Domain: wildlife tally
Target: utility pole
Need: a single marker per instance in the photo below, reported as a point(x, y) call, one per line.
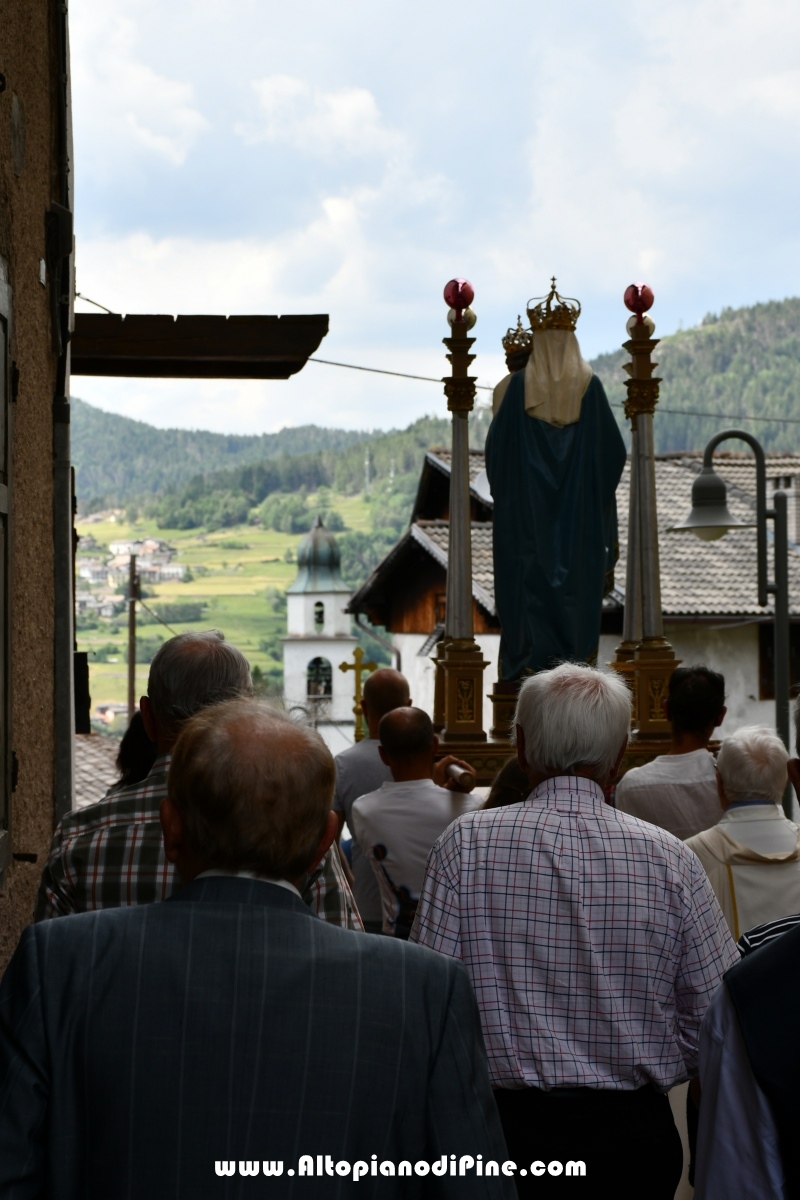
point(133, 596)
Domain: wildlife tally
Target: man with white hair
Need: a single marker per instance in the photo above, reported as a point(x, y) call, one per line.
point(752, 855)
point(594, 943)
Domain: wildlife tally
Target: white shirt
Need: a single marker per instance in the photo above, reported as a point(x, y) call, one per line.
point(359, 770)
point(221, 872)
point(406, 819)
point(738, 1152)
point(677, 792)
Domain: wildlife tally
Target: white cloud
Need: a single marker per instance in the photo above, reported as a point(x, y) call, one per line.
point(361, 164)
point(313, 121)
point(121, 103)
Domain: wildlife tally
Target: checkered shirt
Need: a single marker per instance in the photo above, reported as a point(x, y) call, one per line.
point(111, 854)
point(593, 940)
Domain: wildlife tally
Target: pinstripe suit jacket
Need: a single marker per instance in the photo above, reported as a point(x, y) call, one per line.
point(141, 1046)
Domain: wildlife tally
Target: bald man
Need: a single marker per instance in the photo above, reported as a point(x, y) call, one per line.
point(397, 824)
point(360, 769)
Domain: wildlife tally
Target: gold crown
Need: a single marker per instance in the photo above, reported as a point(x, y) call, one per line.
point(544, 314)
point(518, 339)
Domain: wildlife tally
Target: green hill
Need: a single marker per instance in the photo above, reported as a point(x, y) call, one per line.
point(740, 365)
point(117, 459)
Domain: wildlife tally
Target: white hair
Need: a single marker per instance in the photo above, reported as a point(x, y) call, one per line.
point(752, 764)
point(574, 716)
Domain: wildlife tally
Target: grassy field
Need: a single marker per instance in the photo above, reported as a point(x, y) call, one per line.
point(236, 573)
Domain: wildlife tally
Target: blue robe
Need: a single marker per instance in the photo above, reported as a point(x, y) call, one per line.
point(554, 528)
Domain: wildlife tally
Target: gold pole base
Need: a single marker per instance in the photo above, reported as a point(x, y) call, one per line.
point(463, 666)
point(647, 673)
point(486, 757)
point(504, 703)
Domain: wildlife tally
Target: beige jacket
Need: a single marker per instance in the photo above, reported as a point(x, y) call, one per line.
point(751, 885)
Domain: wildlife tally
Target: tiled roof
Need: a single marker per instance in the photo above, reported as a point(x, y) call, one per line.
point(95, 771)
point(739, 468)
point(433, 536)
point(705, 578)
point(698, 579)
point(441, 458)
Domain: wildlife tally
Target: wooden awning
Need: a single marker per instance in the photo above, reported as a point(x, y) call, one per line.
point(167, 347)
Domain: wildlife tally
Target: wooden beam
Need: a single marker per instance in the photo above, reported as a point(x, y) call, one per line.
point(195, 347)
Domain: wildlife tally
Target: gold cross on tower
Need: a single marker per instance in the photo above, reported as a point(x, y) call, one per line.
point(361, 668)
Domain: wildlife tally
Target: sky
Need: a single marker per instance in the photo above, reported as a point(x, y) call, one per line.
point(256, 157)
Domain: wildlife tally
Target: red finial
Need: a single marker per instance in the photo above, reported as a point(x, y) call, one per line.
point(638, 298)
point(459, 294)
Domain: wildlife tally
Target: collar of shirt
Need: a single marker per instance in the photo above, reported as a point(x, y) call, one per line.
point(568, 791)
point(391, 785)
point(753, 810)
point(216, 872)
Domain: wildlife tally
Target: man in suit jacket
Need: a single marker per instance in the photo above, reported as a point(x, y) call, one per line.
point(154, 1050)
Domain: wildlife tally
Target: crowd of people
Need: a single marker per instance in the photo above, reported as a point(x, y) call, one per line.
point(489, 997)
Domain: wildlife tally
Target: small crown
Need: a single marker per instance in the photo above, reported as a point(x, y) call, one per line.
point(544, 314)
point(518, 339)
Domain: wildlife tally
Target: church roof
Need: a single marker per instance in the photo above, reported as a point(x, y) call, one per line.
point(699, 580)
point(318, 563)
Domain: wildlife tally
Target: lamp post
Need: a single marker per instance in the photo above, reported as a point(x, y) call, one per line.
point(710, 519)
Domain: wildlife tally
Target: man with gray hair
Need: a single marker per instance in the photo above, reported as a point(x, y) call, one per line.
point(593, 940)
point(111, 854)
point(752, 855)
point(152, 1050)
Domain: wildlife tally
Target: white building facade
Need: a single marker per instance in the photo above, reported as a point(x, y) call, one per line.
point(319, 640)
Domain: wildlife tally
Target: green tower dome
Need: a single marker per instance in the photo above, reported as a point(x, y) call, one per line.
point(318, 562)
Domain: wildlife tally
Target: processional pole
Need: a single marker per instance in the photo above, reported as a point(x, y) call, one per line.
point(644, 656)
point(458, 703)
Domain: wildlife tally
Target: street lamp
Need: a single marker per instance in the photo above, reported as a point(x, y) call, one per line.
point(710, 519)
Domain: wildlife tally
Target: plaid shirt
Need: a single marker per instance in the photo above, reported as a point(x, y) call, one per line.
point(111, 854)
point(593, 940)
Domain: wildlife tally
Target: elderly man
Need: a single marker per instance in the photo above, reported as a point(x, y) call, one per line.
point(752, 855)
point(594, 943)
point(678, 790)
point(397, 824)
point(111, 853)
point(150, 1050)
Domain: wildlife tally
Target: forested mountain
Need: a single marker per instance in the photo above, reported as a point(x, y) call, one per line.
point(117, 459)
point(740, 365)
point(385, 464)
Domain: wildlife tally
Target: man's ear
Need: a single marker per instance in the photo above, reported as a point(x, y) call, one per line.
point(148, 720)
point(172, 829)
point(722, 714)
point(328, 838)
point(435, 745)
point(382, 753)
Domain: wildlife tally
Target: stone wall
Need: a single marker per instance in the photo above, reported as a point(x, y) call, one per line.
point(28, 184)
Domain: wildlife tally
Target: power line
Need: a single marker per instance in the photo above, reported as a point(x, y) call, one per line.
point(80, 296)
point(398, 374)
point(157, 617)
point(485, 387)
